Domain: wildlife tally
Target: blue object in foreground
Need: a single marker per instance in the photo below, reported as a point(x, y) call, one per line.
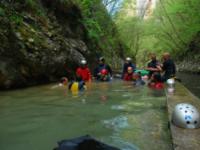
point(83, 143)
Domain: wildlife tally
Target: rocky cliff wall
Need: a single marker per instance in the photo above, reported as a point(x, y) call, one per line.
point(40, 41)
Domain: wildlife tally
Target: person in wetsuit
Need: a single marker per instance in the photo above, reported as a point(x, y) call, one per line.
point(168, 67)
point(128, 63)
point(101, 68)
point(153, 66)
point(129, 75)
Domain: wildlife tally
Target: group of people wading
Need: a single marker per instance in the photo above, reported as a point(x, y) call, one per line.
point(155, 74)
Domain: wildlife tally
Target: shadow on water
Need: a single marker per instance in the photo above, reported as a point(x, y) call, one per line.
point(127, 117)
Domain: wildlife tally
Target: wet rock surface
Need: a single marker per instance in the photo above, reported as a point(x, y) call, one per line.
point(39, 48)
point(41, 42)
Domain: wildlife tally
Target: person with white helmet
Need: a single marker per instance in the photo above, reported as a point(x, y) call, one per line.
point(83, 71)
point(103, 69)
point(129, 75)
point(128, 63)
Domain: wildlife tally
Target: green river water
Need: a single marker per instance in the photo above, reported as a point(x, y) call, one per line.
point(127, 117)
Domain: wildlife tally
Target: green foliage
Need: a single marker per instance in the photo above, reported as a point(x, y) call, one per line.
point(172, 26)
point(17, 19)
point(2, 12)
point(31, 4)
point(90, 19)
point(101, 29)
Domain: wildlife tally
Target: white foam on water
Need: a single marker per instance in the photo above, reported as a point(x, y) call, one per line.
point(118, 107)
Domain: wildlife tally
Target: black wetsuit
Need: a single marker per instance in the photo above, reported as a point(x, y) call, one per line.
point(99, 68)
point(169, 68)
point(152, 64)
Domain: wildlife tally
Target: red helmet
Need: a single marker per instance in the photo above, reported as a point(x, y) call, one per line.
point(104, 72)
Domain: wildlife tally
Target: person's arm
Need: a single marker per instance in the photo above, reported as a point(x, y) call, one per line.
point(155, 68)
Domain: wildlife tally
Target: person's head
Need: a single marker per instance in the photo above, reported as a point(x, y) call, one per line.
point(83, 63)
point(64, 80)
point(166, 56)
point(130, 70)
point(101, 60)
point(128, 60)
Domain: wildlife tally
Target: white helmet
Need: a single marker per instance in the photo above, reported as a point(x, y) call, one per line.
point(171, 81)
point(128, 59)
point(186, 116)
point(83, 62)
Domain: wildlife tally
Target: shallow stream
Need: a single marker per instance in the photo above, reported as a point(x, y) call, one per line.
point(127, 117)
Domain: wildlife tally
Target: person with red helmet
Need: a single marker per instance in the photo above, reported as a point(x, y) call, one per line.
point(83, 71)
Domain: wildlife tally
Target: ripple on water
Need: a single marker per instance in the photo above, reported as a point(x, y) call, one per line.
point(118, 107)
point(116, 123)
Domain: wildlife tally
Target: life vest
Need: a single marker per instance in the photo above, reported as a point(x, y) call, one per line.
point(74, 87)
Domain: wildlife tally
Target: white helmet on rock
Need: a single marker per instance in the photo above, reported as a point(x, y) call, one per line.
point(186, 115)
